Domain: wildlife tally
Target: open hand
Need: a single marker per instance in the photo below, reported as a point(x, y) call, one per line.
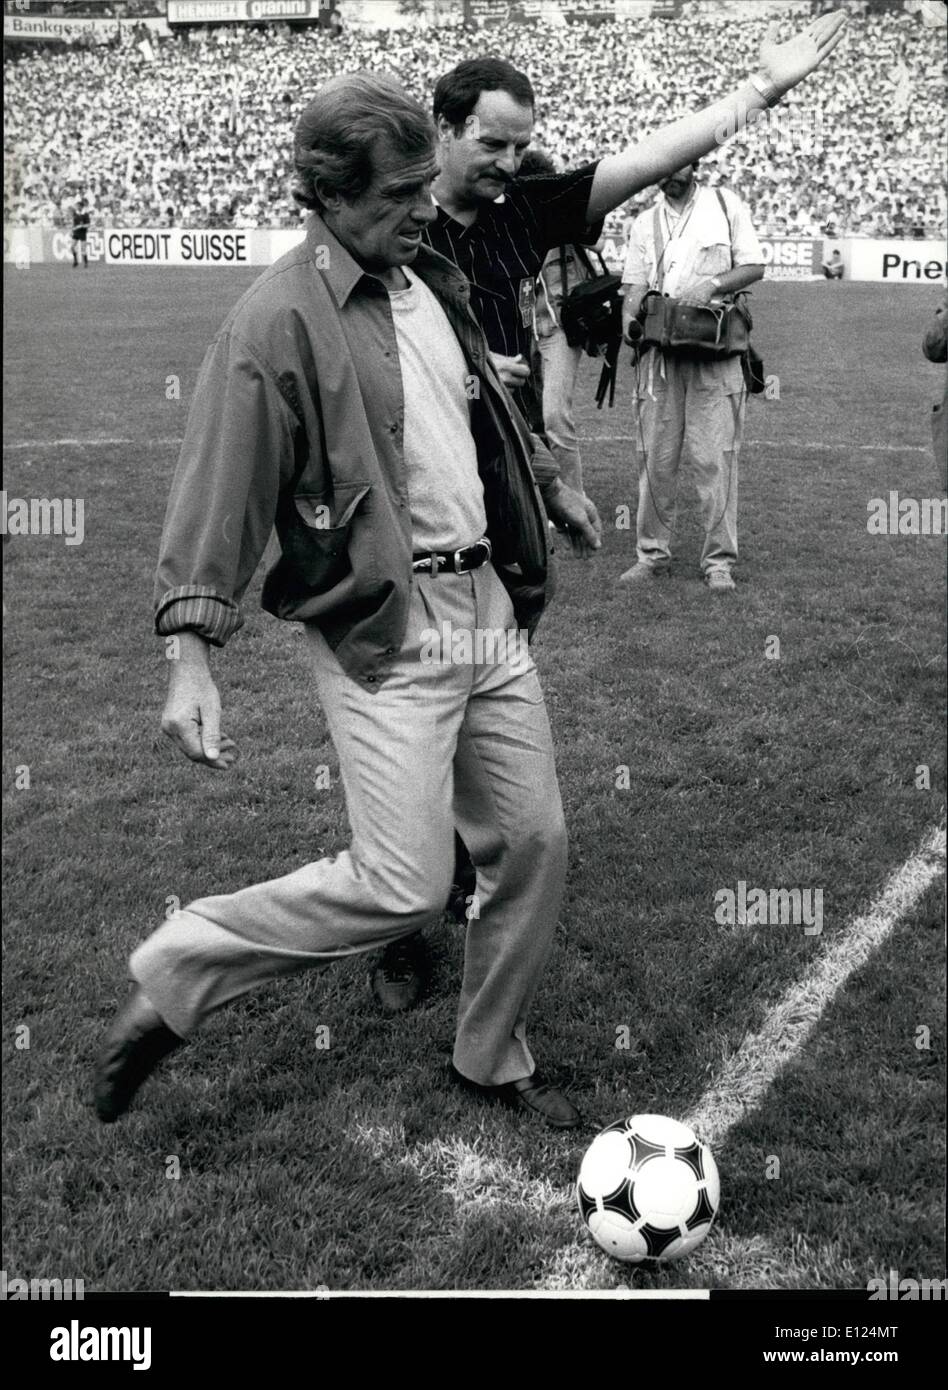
point(786, 64)
point(577, 515)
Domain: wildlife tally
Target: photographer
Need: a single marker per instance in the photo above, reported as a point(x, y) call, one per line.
point(697, 245)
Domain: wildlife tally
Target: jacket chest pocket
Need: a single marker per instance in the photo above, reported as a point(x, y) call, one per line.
point(317, 533)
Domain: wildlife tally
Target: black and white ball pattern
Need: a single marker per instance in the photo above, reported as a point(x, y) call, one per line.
point(648, 1189)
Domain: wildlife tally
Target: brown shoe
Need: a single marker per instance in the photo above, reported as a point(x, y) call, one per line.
point(530, 1093)
point(135, 1044)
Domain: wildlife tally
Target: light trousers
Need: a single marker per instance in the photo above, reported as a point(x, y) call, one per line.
point(446, 741)
point(693, 410)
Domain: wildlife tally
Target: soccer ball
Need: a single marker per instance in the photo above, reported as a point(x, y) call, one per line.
point(648, 1189)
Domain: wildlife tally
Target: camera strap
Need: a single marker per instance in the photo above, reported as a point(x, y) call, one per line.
point(662, 244)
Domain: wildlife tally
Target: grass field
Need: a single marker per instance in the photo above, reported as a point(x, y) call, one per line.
point(357, 1166)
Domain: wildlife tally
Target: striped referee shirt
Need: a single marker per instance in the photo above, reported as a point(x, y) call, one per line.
point(501, 252)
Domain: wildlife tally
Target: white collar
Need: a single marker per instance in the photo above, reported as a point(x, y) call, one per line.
point(501, 198)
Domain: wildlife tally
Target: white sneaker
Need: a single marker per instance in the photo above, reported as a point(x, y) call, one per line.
point(719, 581)
point(642, 572)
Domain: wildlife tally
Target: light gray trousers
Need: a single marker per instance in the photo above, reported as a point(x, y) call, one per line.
point(445, 742)
point(694, 410)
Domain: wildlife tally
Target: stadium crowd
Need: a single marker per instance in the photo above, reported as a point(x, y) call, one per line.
point(197, 133)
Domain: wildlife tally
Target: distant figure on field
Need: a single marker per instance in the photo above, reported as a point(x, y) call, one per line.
point(81, 219)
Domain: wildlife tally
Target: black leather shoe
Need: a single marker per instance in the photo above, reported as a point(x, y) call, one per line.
point(135, 1044)
point(459, 901)
point(464, 885)
point(398, 981)
point(530, 1093)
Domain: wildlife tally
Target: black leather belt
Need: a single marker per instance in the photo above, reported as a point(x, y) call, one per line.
point(469, 557)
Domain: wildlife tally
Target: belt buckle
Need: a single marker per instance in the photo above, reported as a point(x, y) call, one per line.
point(483, 545)
point(457, 559)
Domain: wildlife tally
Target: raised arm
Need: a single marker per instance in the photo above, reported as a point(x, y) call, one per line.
point(782, 66)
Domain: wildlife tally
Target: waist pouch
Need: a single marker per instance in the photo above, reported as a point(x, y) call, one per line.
point(691, 330)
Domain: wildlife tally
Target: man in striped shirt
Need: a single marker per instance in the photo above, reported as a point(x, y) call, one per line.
point(498, 230)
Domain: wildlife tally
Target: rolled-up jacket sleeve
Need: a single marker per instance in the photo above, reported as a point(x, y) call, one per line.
point(238, 452)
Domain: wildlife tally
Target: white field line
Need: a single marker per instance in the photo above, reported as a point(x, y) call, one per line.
point(823, 446)
point(93, 443)
point(827, 447)
point(748, 1075)
point(463, 1171)
point(473, 1178)
point(694, 1295)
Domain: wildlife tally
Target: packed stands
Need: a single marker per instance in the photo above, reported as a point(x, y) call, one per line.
point(157, 132)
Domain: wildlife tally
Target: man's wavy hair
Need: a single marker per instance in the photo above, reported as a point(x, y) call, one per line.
point(338, 131)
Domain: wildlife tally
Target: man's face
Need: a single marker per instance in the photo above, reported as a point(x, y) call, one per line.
point(382, 227)
point(678, 184)
point(478, 164)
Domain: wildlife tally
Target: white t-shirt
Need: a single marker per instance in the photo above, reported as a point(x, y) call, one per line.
point(697, 241)
point(444, 487)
